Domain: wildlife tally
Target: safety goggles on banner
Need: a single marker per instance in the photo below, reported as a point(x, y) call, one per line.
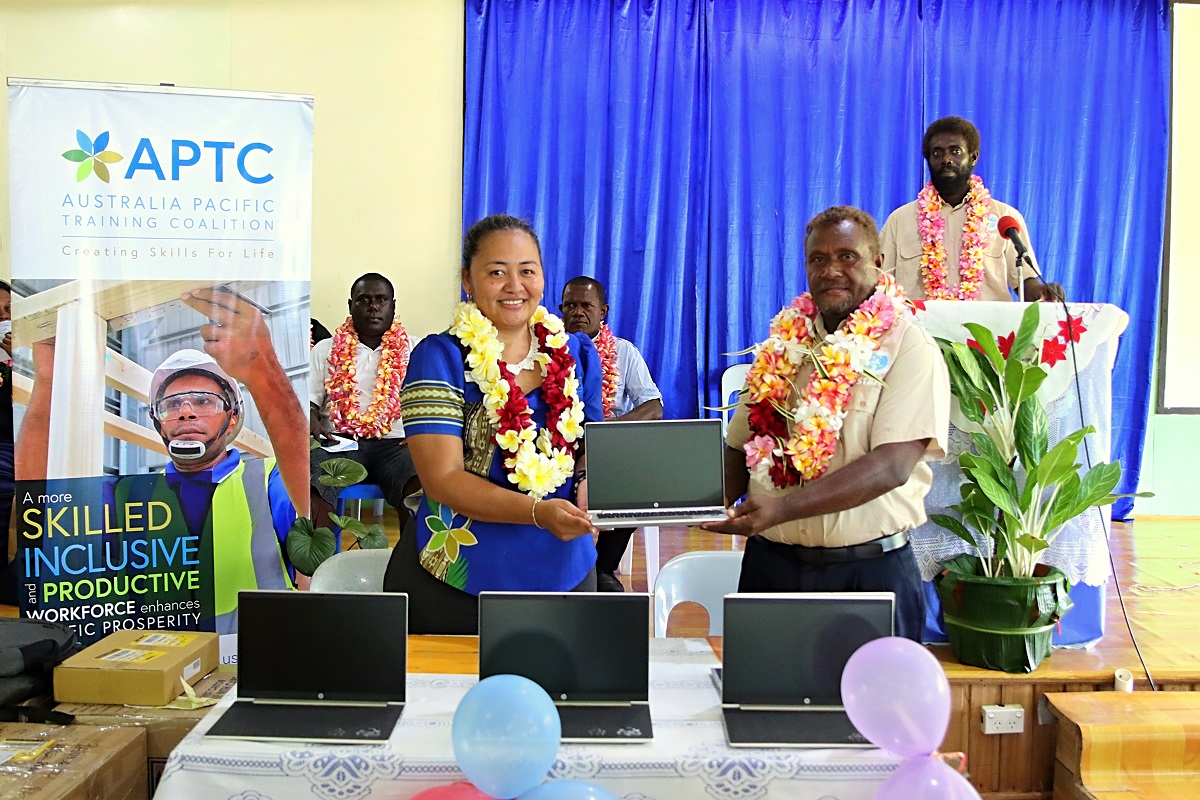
point(201, 404)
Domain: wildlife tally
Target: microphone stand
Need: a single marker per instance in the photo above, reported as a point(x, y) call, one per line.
point(1020, 278)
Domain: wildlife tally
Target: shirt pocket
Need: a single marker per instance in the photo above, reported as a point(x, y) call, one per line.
point(860, 418)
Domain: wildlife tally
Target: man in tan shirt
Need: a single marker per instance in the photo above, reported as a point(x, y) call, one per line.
point(951, 149)
point(848, 529)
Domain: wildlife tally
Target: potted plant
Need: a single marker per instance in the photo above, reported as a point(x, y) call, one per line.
point(1000, 604)
point(308, 546)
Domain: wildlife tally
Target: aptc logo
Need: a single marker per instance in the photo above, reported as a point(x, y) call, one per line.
point(93, 156)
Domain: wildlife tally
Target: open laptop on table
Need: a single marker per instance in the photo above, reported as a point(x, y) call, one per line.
point(589, 651)
point(783, 661)
point(318, 667)
point(655, 472)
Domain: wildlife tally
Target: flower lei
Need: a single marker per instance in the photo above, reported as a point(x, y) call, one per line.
point(787, 447)
point(932, 227)
point(540, 461)
point(606, 346)
point(340, 384)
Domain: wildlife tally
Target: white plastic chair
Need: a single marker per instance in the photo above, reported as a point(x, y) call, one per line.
point(702, 576)
point(732, 381)
point(352, 571)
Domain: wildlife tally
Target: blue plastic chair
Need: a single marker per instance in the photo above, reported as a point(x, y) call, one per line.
point(360, 492)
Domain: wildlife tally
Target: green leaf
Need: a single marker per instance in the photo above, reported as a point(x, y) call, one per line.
point(456, 575)
point(342, 472)
point(985, 368)
point(1026, 333)
point(1032, 543)
point(954, 526)
point(1060, 460)
point(987, 448)
point(1035, 376)
point(996, 492)
point(349, 524)
point(962, 388)
point(84, 170)
point(313, 444)
point(437, 542)
point(1096, 486)
point(374, 539)
point(987, 342)
point(971, 368)
point(436, 525)
point(1032, 431)
point(308, 548)
point(75, 155)
point(1064, 501)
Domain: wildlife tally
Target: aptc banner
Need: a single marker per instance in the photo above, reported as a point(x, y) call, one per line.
point(160, 261)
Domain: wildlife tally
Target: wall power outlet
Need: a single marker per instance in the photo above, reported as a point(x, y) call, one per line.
point(1003, 718)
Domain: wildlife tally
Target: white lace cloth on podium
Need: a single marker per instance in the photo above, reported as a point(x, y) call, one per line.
point(688, 759)
point(1081, 549)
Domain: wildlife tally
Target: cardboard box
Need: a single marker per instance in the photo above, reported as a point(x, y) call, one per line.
point(165, 727)
point(81, 763)
point(138, 668)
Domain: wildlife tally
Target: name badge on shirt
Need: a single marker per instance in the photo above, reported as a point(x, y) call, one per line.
point(993, 224)
point(880, 361)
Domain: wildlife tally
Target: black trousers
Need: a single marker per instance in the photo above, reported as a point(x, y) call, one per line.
point(435, 606)
point(610, 546)
point(773, 567)
point(388, 464)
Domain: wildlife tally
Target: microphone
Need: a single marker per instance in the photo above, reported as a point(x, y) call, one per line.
point(1011, 230)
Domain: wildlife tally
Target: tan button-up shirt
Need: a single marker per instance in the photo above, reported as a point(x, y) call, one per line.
point(900, 242)
point(914, 404)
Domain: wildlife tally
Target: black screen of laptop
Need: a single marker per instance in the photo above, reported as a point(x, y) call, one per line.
point(641, 465)
point(576, 646)
point(340, 647)
point(789, 650)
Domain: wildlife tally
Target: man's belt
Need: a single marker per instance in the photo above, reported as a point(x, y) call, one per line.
point(838, 555)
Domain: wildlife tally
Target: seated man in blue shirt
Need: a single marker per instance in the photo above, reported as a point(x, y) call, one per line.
point(629, 394)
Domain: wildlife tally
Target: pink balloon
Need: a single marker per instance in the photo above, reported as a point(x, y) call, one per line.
point(926, 778)
point(897, 695)
point(454, 791)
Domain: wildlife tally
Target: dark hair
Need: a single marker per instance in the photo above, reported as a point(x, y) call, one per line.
point(958, 125)
point(5, 286)
point(583, 281)
point(489, 225)
point(318, 331)
point(372, 276)
point(835, 214)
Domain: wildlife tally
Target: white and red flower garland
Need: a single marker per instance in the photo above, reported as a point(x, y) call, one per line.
point(932, 227)
point(606, 346)
point(787, 447)
point(342, 386)
point(542, 460)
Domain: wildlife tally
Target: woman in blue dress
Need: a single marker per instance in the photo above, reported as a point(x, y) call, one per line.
point(493, 410)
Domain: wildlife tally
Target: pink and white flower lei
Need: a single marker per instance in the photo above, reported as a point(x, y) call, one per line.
point(342, 387)
point(606, 346)
point(932, 227)
point(788, 447)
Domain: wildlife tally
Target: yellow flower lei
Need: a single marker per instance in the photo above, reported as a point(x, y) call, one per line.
point(539, 461)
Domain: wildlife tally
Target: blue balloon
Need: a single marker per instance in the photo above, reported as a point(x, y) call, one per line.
point(505, 734)
point(568, 790)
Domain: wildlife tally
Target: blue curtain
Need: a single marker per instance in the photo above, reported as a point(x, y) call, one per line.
point(675, 151)
point(589, 119)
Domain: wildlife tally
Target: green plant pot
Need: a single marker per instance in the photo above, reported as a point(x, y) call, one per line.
point(1002, 623)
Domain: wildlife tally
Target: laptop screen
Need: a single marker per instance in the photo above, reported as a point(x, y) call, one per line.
point(790, 649)
point(577, 646)
point(659, 464)
point(332, 647)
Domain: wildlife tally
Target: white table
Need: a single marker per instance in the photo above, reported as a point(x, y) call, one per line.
point(687, 760)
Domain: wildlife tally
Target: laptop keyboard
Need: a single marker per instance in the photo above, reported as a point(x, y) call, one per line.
point(613, 723)
point(783, 728)
point(662, 514)
point(303, 723)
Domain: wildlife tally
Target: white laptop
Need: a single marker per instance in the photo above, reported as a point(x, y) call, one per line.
point(318, 667)
point(590, 651)
point(783, 656)
point(668, 472)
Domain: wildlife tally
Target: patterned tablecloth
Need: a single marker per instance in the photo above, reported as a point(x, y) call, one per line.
point(687, 759)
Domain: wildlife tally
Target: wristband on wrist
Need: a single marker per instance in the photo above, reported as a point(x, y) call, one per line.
point(533, 511)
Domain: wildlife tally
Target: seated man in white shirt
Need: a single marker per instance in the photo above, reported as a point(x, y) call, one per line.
point(629, 394)
point(354, 392)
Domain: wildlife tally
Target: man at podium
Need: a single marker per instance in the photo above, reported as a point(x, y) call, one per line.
point(947, 244)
